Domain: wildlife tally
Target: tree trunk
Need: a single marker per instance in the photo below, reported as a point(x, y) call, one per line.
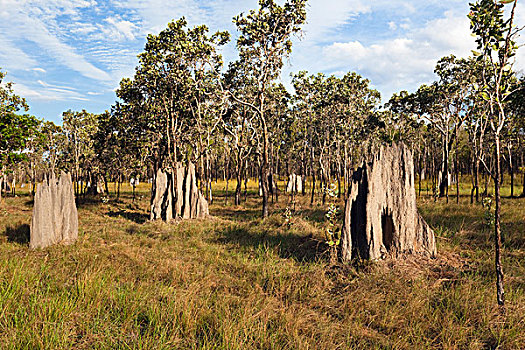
point(246, 175)
point(456, 166)
point(238, 189)
point(443, 181)
point(264, 172)
point(523, 184)
point(312, 169)
point(106, 184)
point(497, 227)
point(420, 172)
point(511, 171)
point(227, 177)
point(118, 186)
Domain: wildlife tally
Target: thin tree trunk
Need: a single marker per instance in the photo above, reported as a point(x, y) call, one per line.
point(227, 176)
point(511, 171)
point(497, 227)
point(264, 171)
point(313, 175)
point(118, 186)
point(523, 184)
point(246, 175)
point(456, 166)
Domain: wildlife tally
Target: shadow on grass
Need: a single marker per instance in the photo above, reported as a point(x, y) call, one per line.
point(236, 214)
point(19, 234)
point(87, 201)
point(288, 246)
point(138, 218)
point(313, 215)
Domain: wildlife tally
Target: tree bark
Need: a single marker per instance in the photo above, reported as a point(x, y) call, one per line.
point(264, 172)
point(497, 227)
point(312, 169)
point(511, 171)
point(443, 182)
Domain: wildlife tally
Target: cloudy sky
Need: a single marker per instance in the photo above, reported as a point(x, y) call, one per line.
point(71, 54)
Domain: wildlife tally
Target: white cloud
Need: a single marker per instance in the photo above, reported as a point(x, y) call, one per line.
point(406, 24)
point(99, 40)
point(43, 91)
point(31, 20)
point(403, 62)
point(118, 29)
point(324, 17)
point(84, 28)
point(13, 58)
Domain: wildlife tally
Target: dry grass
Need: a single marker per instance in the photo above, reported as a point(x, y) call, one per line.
point(236, 282)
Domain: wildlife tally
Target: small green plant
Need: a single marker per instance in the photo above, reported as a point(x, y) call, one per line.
point(333, 229)
point(288, 215)
point(435, 192)
point(489, 216)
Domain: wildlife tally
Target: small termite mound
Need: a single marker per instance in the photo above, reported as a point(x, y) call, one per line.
point(175, 195)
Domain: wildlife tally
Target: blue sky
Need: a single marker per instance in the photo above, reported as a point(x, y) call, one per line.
point(71, 54)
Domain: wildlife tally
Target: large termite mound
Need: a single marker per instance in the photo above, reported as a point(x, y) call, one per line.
point(55, 217)
point(381, 217)
point(175, 195)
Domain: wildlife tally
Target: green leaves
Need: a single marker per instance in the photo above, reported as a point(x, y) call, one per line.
point(265, 35)
point(496, 45)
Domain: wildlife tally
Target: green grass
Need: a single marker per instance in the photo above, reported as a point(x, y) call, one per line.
point(236, 282)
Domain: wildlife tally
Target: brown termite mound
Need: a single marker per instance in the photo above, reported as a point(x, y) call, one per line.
point(55, 217)
point(381, 218)
point(175, 195)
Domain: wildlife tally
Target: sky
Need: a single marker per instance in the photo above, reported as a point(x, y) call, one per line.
point(71, 54)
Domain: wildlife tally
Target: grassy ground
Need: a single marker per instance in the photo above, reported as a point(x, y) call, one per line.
point(236, 282)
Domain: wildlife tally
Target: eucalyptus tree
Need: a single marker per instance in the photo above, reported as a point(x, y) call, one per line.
point(458, 78)
point(264, 42)
point(78, 127)
point(120, 150)
point(338, 117)
point(43, 148)
point(476, 126)
point(515, 131)
point(355, 106)
point(495, 38)
point(9, 101)
point(15, 129)
point(53, 143)
point(404, 124)
point(443, 104)
point(308, 95)
point(170, 93)
point(239, 123)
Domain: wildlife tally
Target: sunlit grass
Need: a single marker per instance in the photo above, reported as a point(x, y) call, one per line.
point(237, 282)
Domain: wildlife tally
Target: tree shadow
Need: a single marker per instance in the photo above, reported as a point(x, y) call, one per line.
point(236, 214)
point(316, 215)
point(138, 218)
point(19, 234)
point(288, 246)
point(87, 201)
